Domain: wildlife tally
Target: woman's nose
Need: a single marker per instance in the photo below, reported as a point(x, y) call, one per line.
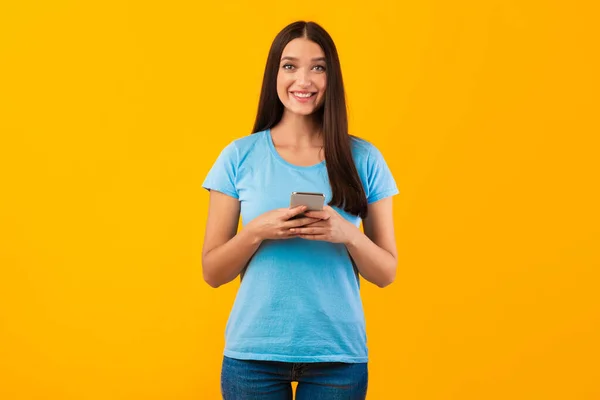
point(303, 78)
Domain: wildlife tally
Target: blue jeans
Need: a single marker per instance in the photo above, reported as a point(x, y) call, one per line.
point(271, 380)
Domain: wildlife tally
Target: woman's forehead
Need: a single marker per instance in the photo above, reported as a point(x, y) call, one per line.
point(302, 48)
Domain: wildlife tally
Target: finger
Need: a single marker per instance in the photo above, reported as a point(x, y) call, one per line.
point(317, 214)
point(318, 222)
point(330, 211)
point(308, 231)
point(285, 234)
point(299, 222)
point(292, 212)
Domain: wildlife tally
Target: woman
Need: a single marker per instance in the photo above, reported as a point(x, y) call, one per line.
point(298, 314)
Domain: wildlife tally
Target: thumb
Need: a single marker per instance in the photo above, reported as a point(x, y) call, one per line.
point(292, 212)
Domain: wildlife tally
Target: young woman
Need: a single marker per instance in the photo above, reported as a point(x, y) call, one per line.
point(298, 314)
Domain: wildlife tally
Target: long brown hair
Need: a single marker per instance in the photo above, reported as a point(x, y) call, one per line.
point(346, 188)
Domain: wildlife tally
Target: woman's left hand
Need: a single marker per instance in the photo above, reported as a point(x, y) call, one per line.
point(331, 227)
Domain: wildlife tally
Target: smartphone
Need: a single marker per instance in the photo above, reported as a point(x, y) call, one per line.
point(314, 201)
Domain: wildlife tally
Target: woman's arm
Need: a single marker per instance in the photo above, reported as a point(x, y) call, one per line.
point(374, 252)
point(225, 253)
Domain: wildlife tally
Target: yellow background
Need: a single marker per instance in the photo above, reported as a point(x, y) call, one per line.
point(112, 112)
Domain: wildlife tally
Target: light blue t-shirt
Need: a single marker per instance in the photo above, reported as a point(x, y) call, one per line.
point(299, 300)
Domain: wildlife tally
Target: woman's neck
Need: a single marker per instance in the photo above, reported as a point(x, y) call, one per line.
point(298, 131)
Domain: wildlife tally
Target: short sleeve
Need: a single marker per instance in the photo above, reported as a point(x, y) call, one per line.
point(380, 181)
point(222, 175)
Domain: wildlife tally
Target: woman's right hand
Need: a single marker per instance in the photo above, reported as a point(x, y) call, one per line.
point(276, 224)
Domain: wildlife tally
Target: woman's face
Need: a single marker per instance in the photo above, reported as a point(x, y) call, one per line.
point(302, 78)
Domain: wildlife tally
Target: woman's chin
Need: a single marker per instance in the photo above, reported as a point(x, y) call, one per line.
point(302, 111)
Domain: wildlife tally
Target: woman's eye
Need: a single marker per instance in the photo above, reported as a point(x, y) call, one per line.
point(320, 68)
point(287, 66)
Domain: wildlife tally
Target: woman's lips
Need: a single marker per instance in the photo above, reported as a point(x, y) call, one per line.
point(302, 96)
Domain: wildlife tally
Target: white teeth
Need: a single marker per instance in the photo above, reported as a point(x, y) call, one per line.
point(303, 94)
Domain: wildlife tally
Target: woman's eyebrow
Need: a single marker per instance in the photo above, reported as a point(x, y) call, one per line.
point(296, 59)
